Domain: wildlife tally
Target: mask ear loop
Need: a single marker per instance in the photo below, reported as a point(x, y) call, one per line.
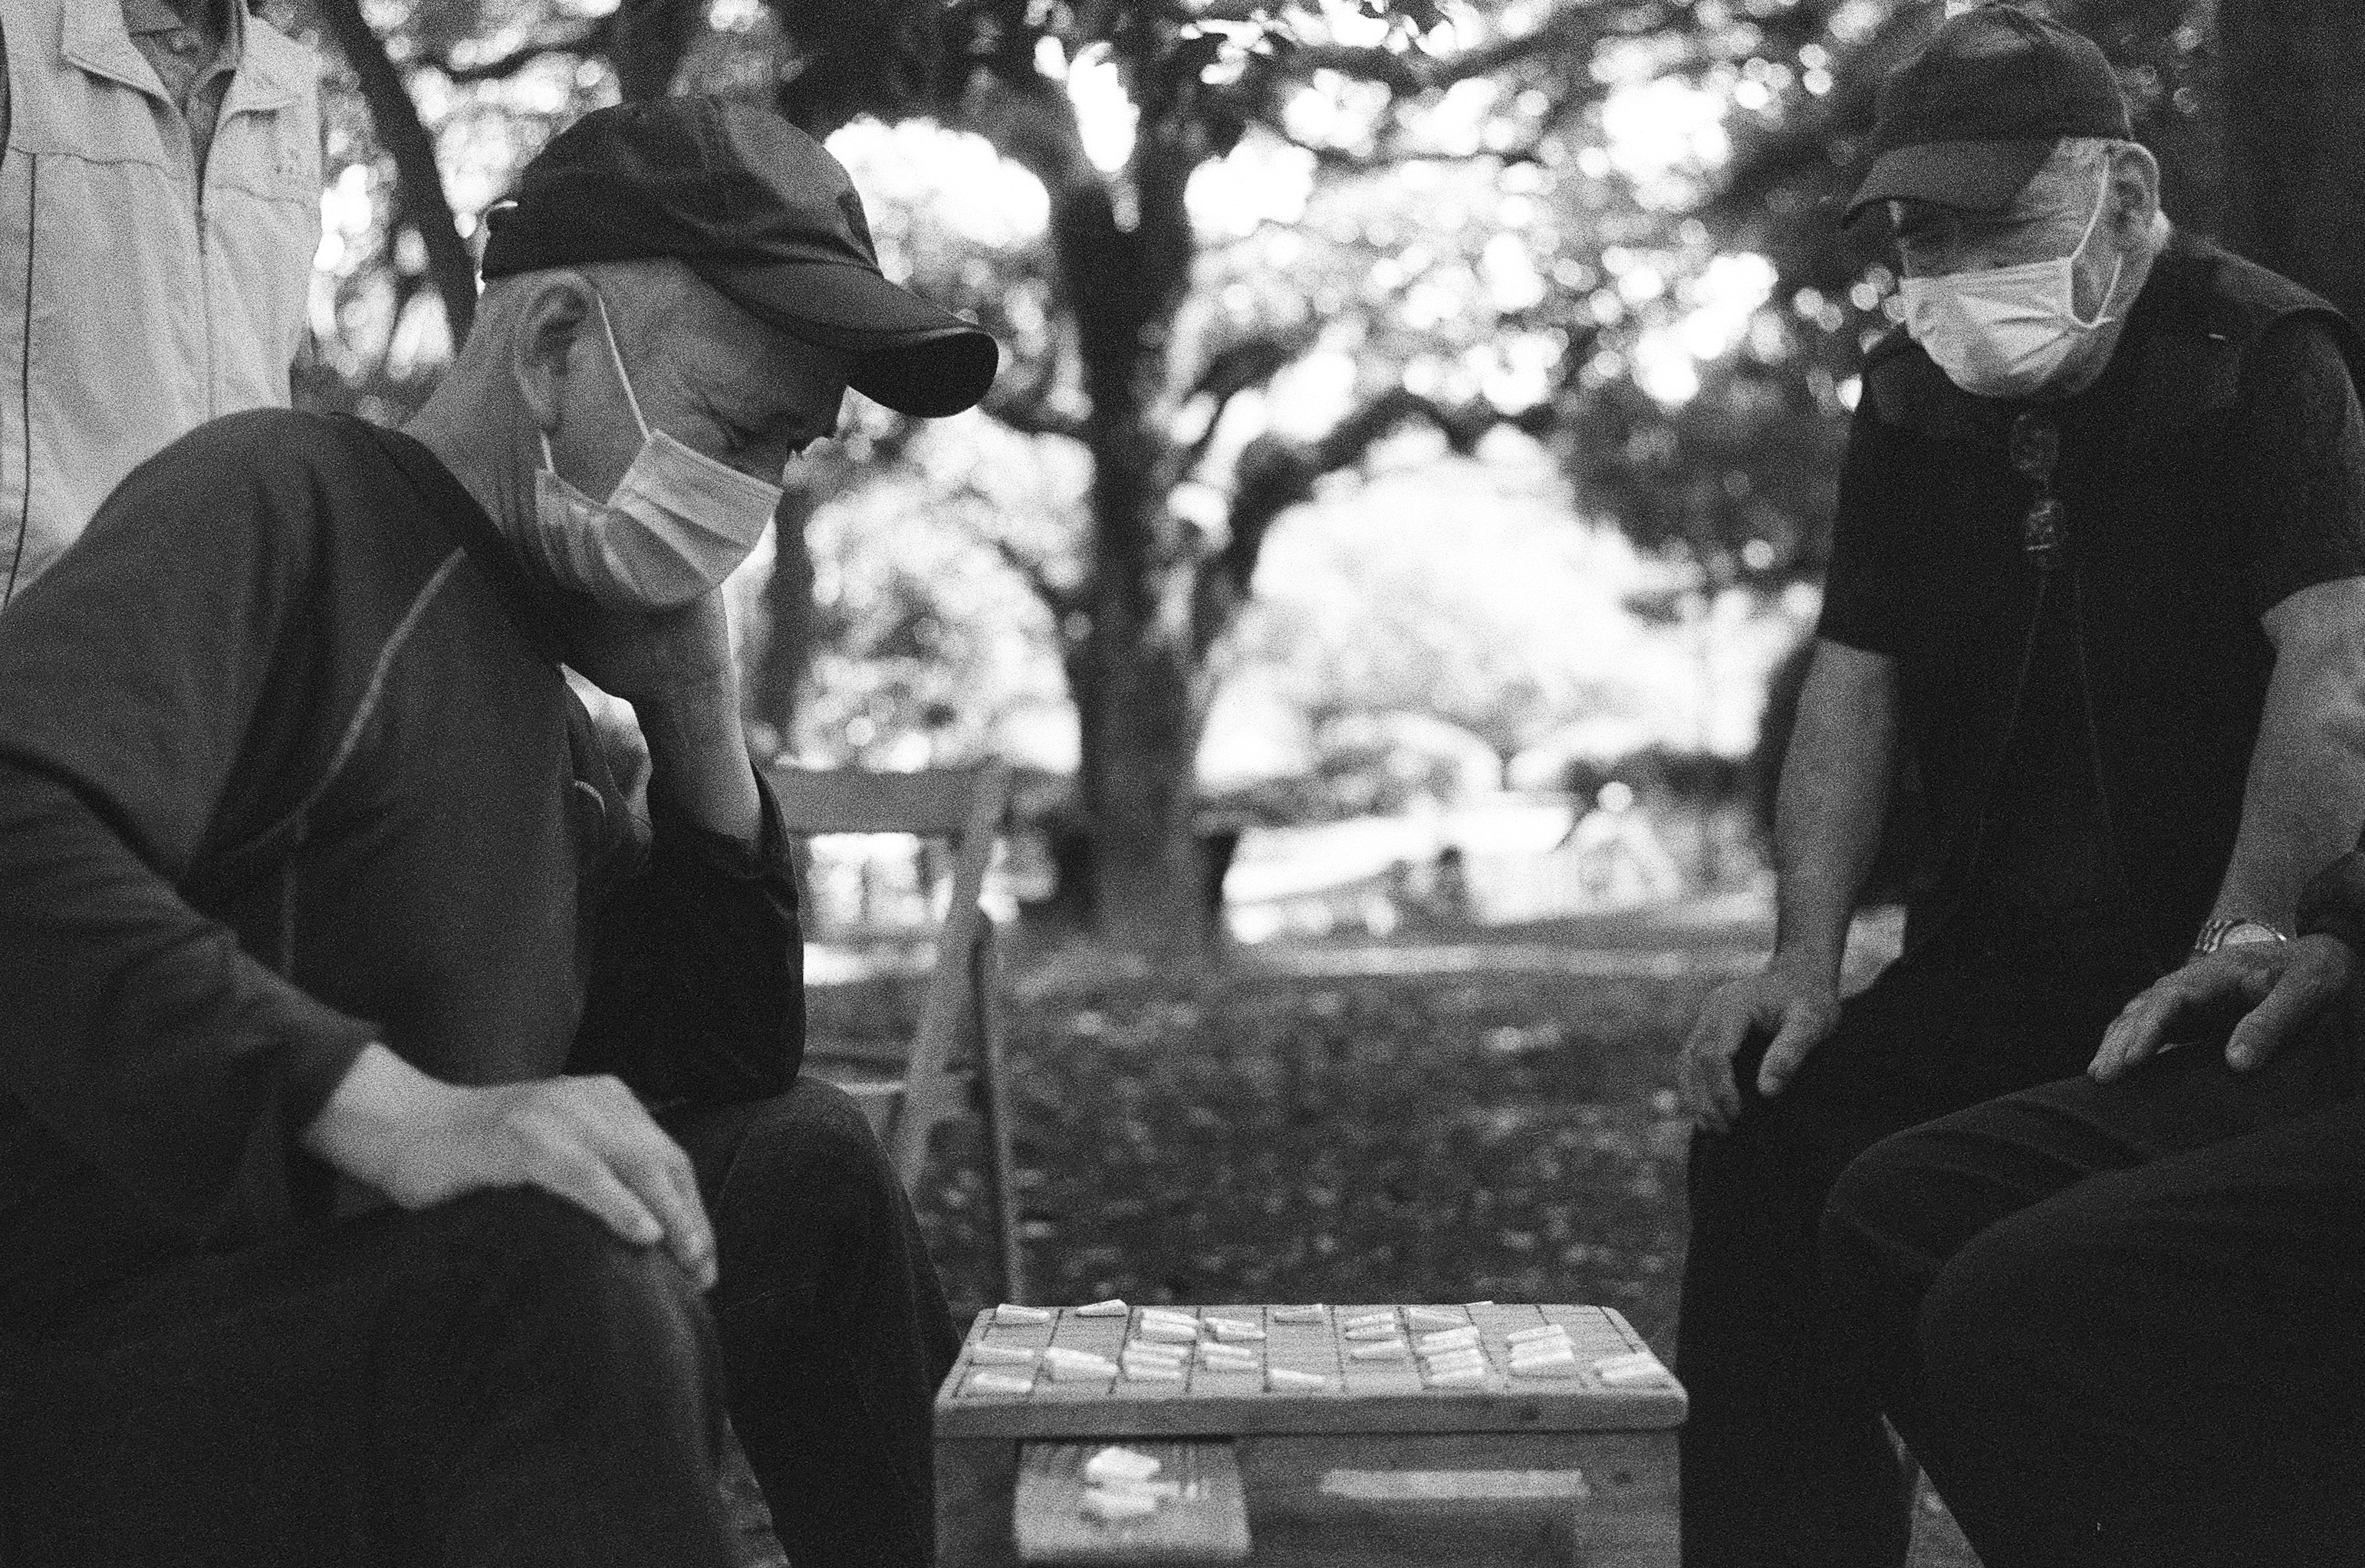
point(615, 358)
point(2118, 267)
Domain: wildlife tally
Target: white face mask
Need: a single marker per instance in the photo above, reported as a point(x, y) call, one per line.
point(678, 523)
point(2008, 331)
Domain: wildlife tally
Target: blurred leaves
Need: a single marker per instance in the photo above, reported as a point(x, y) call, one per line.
point(1359, 1140)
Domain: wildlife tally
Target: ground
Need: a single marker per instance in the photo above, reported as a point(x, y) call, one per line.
point(1300, 1128)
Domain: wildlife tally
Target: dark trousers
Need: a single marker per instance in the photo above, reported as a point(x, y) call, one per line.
point(1786, 1461)
point(500, 1381)
point(2125, 1325)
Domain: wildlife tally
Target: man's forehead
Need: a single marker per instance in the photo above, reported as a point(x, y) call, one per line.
point(755, 354)
point(747, 372)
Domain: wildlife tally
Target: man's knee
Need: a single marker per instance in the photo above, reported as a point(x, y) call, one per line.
point(1872, 1220)
point(2011, 1296)
point(815, 1137)
point(539, 1257)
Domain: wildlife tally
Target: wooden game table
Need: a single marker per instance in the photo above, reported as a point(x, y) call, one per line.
point(1379, 1465)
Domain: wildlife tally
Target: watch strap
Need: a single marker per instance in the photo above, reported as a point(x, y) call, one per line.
point(2235, 931)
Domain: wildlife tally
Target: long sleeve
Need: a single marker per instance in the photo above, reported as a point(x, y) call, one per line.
point(149, 686)
point(696, 993)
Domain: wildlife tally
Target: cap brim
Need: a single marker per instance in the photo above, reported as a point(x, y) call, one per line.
point(912, 356)
point(1970, 177)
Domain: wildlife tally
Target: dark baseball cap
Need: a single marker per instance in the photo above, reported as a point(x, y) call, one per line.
point(762, 212)
point(1970, 117)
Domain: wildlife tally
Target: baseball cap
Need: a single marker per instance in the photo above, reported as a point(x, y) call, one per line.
point(1972, 115)
point(762, 212)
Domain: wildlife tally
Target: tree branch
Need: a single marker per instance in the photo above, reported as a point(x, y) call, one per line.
point(591, 40)
point(1030, 122)
point(1252, 363)
point(1059, 602)
point(1274, 474)
point(1575, 25)
point(1029, 413)
point(404, 138)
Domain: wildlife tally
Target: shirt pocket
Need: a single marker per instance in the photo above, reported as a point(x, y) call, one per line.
point(93, 119)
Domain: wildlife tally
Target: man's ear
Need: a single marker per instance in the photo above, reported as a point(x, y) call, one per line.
point(551, 321)
point(2135, 192)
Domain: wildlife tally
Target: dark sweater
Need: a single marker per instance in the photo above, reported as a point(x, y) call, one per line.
point(288, 765)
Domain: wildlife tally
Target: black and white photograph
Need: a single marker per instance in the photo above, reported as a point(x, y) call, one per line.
point(1305, 783)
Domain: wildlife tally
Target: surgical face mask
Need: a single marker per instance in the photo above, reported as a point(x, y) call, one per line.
point(677, 524)
point(2008, 331)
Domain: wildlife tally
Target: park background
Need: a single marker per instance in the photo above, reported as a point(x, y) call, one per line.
point(1384, 556)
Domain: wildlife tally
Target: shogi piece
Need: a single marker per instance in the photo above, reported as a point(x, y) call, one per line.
point(1337, 1460)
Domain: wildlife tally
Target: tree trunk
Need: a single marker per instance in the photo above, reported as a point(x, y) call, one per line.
point(2295, 111)
point(787, 654)
point(1138, 675)
point(424, 203)
point(1141, 718)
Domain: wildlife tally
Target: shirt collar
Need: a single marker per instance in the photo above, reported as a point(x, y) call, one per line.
point(143, 16)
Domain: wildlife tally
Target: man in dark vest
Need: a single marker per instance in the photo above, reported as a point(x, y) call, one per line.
point(2098, 577)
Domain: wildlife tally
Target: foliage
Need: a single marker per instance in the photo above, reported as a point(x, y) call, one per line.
point(1365, 1140)
point(1283, 230)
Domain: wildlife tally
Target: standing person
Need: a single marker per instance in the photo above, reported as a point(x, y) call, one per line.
point(2096, 573)
point(328, 938)
point(160, 206)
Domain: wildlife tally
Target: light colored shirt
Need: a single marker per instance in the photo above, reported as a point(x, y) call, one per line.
point(158, 213)
point(193, 56)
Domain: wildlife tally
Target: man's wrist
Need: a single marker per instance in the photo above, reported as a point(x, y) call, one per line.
point(375, 1117)
point(698, 755)
point(2334, 902)
point(1809, 960)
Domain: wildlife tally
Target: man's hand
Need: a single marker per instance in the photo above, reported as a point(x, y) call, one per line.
point(1798, 1003)
point(655, 657)
point(674, 668)
point(588, 1140)
point(2282, 985)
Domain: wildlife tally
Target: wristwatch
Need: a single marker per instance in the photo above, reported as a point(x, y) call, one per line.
point(2234, 931)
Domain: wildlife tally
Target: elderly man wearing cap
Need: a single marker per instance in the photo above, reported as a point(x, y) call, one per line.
point(2098, 577)
point(330, 944)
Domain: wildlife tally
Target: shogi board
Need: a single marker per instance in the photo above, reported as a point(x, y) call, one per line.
point(1360, 1396)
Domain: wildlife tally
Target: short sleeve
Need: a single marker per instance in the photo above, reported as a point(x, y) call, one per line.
point(2299, 438)
point(1865, 587)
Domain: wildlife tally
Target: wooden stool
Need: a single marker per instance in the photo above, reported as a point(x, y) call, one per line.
point(1378, 1468)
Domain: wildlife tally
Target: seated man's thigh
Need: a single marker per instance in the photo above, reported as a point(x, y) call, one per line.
point(2177, 1345)
point(779, 1174)
point(235, 1409)
point(1928, 1191)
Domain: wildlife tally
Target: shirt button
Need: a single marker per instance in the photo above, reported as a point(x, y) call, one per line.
point(183, 44)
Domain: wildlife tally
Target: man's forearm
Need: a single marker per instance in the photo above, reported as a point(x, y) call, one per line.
point(1834, 800)
point(2306, 798)
point(698, 757)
